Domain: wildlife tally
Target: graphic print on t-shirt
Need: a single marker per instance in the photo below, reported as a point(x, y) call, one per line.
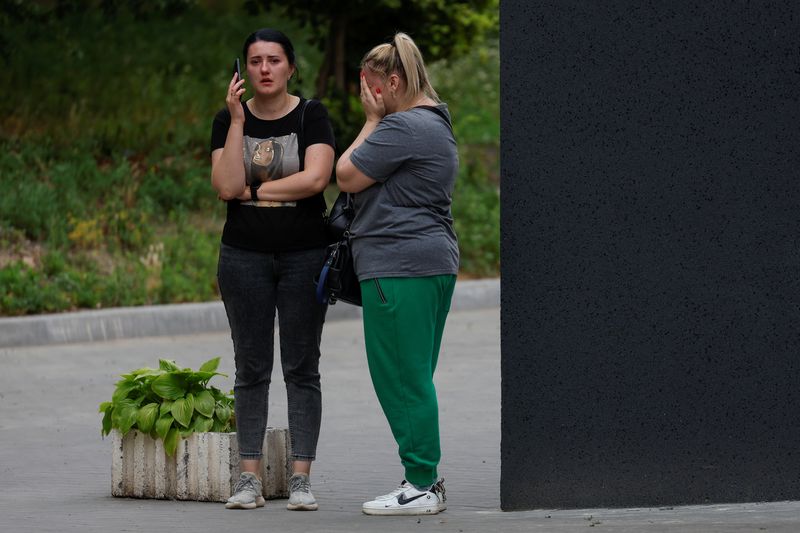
point(269, 160)
point(266, 160)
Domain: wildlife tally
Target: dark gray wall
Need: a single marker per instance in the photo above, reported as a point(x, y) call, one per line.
point(650, 234)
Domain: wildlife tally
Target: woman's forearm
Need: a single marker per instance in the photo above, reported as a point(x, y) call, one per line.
point(227, 169)
point(310, 181)
point(295, 187)
point(347, 175)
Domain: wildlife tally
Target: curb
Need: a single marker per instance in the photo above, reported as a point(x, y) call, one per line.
point(183, 319)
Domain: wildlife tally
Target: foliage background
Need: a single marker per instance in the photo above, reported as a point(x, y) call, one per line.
point(104, 132)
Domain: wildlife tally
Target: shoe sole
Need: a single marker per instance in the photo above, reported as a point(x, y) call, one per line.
point(403, 511)
point(260, 502)
point(302, 507)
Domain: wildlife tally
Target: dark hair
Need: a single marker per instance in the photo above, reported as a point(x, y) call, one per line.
point(271, 36)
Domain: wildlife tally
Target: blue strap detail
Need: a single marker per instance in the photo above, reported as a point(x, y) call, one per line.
point(322, 292)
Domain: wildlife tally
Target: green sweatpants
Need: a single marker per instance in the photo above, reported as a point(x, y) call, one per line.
point(403, 323)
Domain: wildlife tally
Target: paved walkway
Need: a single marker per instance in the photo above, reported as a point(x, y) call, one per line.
point(55, 469)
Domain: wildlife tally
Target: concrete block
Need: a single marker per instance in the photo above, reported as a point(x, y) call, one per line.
point(205, 466)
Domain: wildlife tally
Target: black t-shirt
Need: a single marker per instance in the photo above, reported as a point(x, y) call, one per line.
point(274, 149)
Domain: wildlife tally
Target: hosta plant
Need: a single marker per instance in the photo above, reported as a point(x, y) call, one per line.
point(169, 402)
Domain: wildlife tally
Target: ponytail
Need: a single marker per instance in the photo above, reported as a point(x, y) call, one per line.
point(404, 58)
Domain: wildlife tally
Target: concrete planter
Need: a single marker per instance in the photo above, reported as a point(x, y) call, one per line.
point(204, 468)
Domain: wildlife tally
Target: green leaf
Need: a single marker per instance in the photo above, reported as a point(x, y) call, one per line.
point(203, 424)
point(122, 390)
point(191, 401)
point(163, 425)
point(124, 416)
point(202, 377)
point(210, 365)
point(223, 413)
point(218, 394)
point(167, 365)
point(147, 417)
point(182, 410)
point(169, 386)
point(107, 421)
point(104, 407)
point(121, 412)
point(218, 426)
point(204, 404)
point(166, 405)
point(140, 372)
point(171, 442)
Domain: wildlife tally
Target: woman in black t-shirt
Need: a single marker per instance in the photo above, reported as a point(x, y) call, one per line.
point(271, 158)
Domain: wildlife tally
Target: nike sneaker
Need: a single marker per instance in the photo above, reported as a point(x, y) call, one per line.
point(408, 500)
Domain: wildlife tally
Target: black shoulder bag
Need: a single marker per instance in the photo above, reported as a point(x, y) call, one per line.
point(338, 280)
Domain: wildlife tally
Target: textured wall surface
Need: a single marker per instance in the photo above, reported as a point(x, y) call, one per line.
point(650, 233)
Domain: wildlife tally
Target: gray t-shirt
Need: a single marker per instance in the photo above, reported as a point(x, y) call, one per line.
point(403, 225)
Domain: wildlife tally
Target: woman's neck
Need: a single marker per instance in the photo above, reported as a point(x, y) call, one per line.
point(420, 100)
point(271, 108)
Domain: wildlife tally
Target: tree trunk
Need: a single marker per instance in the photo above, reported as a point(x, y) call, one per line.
point(324, 71)
point(340, 56)
point(334, 62)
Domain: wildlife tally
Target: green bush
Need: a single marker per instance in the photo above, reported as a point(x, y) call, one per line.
point(476, 210)
point(104, 162)
point(471, 87)
point(189, 267)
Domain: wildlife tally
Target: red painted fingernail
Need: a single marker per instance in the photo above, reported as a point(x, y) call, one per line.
point(378, 91)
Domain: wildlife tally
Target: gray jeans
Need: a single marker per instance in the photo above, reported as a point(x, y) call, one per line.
point(253, 285)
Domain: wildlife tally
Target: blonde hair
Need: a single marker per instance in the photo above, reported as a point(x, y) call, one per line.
point(401, 56)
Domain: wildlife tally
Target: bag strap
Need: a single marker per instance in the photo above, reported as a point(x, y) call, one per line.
point(323, 296)
point(349, 208)
point(301, 137)
point(301, 152)
point(322, 283)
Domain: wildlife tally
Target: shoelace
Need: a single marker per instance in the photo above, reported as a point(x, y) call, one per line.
point(396, 492)
point(244, 483)
point(439, 487)
point(299, 484)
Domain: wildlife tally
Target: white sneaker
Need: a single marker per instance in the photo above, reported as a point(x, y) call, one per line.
point(246, 493)
point(407, 500)
point(300, 497)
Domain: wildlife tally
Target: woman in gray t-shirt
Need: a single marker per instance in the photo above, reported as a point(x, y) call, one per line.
point(402, 167)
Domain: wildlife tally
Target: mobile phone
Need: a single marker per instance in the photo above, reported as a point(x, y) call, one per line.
point(236, 69)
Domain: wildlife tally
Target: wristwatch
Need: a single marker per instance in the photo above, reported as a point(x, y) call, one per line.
point(254, 191)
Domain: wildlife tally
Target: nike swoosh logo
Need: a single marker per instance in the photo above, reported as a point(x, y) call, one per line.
point(402, 500)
